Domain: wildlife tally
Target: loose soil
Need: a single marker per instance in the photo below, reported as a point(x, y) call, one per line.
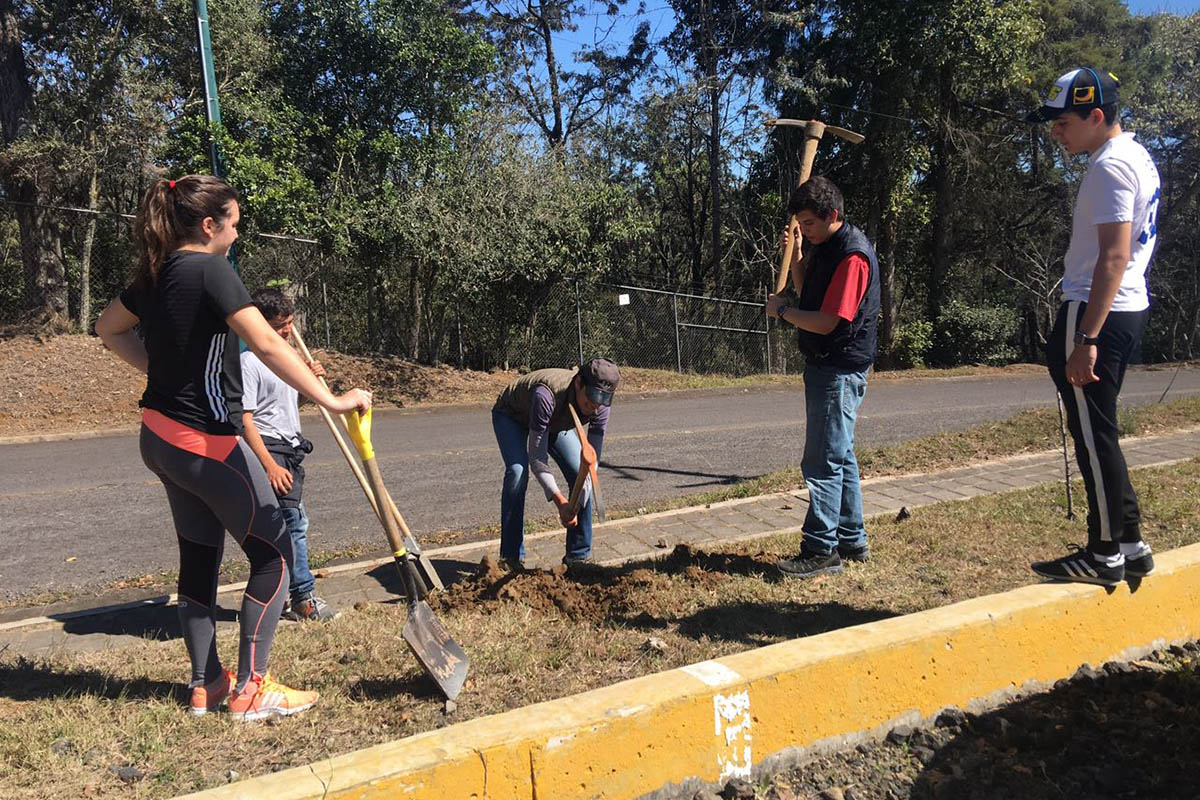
point(70, 384)
point(110, 724)
point(593, 594)
point(1126, 730)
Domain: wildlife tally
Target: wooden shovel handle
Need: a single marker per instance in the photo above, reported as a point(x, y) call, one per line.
point(349, 456)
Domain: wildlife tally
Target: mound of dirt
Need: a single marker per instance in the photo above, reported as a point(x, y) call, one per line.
point(56, 384)
point(70, 383)
point(596, 594)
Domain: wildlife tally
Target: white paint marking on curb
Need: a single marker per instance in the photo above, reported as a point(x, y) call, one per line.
point(712, 673)
point(558, 741)
point(731, 722)
point(628, 711)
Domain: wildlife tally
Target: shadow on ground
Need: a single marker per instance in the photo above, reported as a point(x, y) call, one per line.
point(1124, 731)
point(23, 679)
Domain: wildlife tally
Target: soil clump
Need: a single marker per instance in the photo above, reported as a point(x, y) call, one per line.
point(597, 594)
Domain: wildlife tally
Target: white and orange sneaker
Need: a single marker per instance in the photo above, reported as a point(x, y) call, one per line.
point(263, 697)
point(209, 697)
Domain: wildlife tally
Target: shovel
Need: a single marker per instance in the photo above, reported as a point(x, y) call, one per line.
point(410, 543)
point(587, 469)
point(427, 638)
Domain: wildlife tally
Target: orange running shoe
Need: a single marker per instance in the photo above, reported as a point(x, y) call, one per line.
point(263, 697)
point(209, 697)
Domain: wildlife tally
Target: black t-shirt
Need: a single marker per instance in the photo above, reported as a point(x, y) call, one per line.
point(195, 375)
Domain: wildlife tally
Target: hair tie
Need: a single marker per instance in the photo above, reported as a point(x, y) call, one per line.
point(171, 184)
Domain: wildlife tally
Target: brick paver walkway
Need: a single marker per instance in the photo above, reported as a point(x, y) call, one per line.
point(36, 631)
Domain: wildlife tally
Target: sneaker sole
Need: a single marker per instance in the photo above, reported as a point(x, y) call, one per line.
point(830, 570)
point(253, 716)
point(860, 558)
point(1131, 573)
point(1072, 579)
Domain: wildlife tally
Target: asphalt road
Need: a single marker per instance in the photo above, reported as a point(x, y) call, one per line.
point(93, 501)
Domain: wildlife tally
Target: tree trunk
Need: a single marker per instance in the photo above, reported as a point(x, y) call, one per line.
point(45, 277)
point(943, 183)
point(714, 169)
point(89, 241)
point(413, 344)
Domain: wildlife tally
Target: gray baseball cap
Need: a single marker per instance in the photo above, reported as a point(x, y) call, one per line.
point(600, 378)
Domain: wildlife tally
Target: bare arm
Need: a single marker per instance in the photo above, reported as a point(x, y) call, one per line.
point(1106, 278)
point(115, 328)
point(815, 321)
point(1106, 281)
point(280, 478)
point(799, 265)
point(280, 358)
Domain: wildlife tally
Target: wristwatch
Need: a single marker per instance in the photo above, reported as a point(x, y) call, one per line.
point(783, 309)
point(1083, 340)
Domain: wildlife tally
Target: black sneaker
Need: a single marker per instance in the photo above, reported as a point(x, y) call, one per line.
point(1141, 566)
point(810, 565)
point(512, 564)
point(859, 554)
point(1080, 567)
point(577, 566)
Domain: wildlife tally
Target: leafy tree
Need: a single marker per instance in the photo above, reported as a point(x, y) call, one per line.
point(558, 99)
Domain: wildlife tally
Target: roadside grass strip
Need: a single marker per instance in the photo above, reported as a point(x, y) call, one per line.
point(111, 723)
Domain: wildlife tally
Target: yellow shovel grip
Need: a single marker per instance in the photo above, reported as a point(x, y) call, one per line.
point(359, 427)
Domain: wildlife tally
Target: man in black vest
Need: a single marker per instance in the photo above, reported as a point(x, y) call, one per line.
point(837, 315)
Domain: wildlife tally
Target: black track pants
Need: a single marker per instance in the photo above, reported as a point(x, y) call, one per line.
point(1113, 515)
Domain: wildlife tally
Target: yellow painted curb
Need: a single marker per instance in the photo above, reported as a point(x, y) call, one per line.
point(723, 717)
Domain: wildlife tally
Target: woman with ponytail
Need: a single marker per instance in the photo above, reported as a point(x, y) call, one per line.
point(185, 299)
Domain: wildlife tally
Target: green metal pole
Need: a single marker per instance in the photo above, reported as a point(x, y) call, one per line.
point(212, 105)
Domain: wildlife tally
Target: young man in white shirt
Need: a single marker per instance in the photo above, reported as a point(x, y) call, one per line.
point(1100, 323)
point(271, 427)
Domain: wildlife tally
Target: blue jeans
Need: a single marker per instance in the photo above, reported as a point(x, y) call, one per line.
point(565, 449)
point(303, 581)
point(832, 396)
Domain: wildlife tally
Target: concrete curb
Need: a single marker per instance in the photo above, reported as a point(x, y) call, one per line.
point(708, 721)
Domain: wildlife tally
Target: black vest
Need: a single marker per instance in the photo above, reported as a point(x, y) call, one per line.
point(851, 344)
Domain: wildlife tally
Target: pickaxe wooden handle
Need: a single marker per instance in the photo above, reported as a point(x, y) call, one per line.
point(409, 541)
point(813, 131)
point(587, 468)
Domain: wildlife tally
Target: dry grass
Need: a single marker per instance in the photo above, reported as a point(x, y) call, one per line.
point(64, 722)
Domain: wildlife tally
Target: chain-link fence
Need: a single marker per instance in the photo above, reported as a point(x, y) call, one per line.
point(654, 328)
point(341, 305)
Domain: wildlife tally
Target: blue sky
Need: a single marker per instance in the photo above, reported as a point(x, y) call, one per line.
point(595, 26)
point(1154, 6)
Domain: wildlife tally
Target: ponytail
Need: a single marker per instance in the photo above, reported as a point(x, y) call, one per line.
point(170, 216)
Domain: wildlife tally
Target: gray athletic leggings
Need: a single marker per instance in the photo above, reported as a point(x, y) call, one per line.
point(208, 496)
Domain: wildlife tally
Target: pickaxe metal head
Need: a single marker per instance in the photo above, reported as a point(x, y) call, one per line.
point(816, 129)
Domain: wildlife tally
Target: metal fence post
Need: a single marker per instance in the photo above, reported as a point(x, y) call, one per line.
point(678, 349)
point(578, 321)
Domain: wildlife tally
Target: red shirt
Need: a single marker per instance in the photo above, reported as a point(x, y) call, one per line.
point(846, 289)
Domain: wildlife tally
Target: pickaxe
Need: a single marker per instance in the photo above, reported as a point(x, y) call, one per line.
point(813, 131)
point(587, 469)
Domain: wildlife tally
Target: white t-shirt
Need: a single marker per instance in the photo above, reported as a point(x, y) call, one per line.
point(1121, 185)
point(275, 405)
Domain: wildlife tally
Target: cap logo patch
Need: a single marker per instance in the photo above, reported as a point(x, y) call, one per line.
point(1084, 94)
point(1055, 90)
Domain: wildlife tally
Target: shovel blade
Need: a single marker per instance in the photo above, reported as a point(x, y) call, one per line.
point(438, 653)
